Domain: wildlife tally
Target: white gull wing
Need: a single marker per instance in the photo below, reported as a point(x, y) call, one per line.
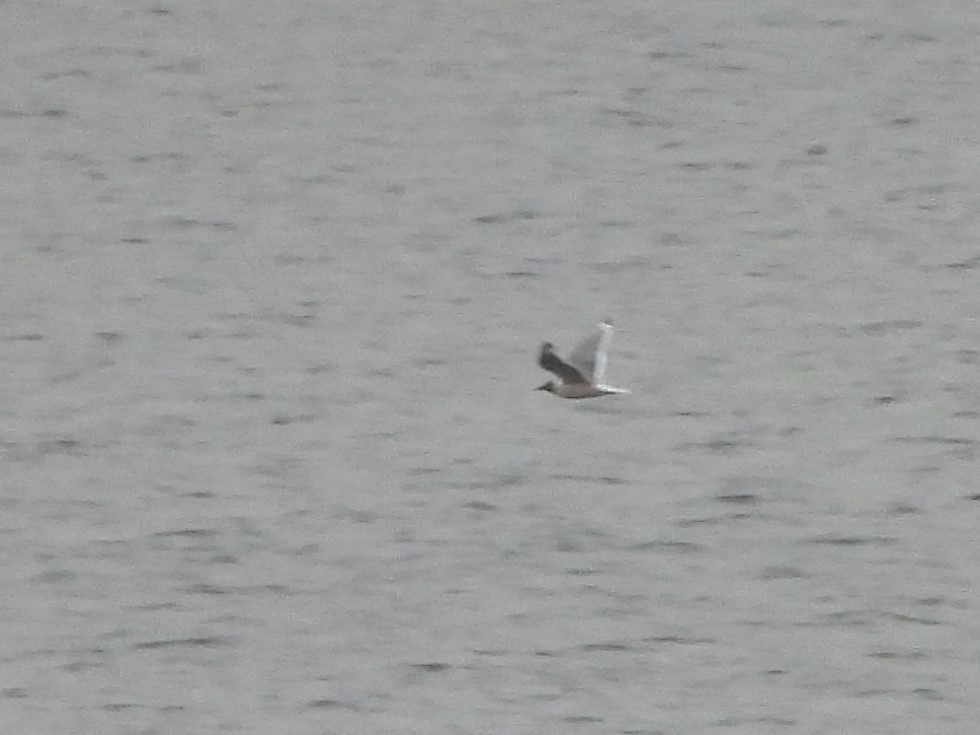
point(590, 357)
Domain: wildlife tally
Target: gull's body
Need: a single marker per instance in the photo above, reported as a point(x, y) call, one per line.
point(582, 375)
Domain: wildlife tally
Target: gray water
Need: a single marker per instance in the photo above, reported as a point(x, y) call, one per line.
point(272, 281)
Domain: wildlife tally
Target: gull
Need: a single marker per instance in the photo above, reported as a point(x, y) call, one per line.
point(582, 375)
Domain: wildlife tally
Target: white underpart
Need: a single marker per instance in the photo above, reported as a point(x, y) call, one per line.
point(610, 389)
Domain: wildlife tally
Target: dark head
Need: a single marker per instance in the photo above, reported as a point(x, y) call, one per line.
point(549, 386)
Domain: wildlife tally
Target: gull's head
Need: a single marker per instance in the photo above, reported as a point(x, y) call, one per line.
point(549, 386)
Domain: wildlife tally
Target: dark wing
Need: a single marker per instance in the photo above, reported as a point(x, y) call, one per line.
point(554, 364)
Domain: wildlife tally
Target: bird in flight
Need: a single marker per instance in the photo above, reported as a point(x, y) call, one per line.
point(582, 375)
